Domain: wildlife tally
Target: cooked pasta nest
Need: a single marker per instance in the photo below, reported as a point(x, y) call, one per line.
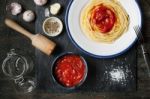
point(121, 25)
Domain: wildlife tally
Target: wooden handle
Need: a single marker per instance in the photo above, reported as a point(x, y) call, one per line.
point(39, 41)
point(42, 43)
point(12, 24)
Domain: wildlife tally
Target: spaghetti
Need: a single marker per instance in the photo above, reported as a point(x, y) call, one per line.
point(104, 20)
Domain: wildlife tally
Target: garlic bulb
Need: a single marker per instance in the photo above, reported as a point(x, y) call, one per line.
point(28, 16)
point(40, 2)
point(15, 8)
point(55, 8)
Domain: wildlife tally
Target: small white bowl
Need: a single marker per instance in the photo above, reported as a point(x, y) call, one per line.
point(53, 33)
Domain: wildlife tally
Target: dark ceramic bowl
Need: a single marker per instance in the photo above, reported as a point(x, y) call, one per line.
point(55, 78)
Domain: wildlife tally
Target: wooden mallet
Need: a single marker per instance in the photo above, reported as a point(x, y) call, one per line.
point(39, 41)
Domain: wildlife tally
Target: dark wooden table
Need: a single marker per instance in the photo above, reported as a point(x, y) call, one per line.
point(10, 39)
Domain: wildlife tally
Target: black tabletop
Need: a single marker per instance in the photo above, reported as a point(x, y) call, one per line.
point(11, 39)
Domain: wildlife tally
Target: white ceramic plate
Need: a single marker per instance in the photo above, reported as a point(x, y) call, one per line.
point(96, 49)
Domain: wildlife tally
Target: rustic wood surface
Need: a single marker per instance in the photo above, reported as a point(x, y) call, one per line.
point(7, 90)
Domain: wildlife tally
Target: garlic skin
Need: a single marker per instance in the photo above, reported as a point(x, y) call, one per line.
point(28, 16)
point(15, 8)
point(40, 2)
point(55, 8)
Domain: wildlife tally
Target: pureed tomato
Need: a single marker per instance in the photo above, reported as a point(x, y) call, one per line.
point(70, 70)
point(103, 17)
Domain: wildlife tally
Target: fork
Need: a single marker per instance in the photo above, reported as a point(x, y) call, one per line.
point(145, 53)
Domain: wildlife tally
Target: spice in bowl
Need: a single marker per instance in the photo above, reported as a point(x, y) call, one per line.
point(70, 70)
point(52, 26)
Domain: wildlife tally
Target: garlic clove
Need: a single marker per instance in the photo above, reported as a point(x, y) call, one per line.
point(47, 13)
point(28, 16)
point(55, 8)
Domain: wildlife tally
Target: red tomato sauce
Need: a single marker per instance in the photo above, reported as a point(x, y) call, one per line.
point(104, 18)
point(70, 70)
